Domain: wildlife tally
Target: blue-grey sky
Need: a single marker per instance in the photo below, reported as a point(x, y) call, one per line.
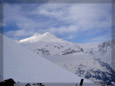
point(81, 23)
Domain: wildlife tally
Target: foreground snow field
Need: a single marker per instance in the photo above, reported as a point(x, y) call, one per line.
point(25, 66)
point(91, 61)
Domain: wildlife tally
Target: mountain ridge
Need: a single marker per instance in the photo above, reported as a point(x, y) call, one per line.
point(25, 66)
point(47, 37)
point(62, 48)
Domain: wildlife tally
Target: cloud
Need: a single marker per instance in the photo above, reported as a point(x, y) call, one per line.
point(14, 14)
point(59, 18)
point(64, 29)
point(86, 16)
point(19, 33)
point(102, 38)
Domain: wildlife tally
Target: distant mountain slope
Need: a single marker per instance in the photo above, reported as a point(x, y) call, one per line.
point(25, 66)
point(91, 61)
point(46, 37)
point(48, 44)
point(102, 51)
point(85, 66)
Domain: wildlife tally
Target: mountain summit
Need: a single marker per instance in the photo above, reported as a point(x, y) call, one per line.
point(25, 66)
point(87, 61)
point(46, 37)
point(49, 44)
point(48, 34)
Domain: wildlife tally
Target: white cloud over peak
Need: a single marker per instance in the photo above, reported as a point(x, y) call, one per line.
point(86, 16)
point(58, 18)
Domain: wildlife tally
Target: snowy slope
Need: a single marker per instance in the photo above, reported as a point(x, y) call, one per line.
point(85, 60)
point(102, 51)
point(41, 37)
point(25, 66)
point(48, 44)
point(85, 66)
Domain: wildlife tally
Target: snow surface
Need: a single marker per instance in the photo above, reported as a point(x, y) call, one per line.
point(41, 37)
point(84, 66)
point(102, 51)
point(48, 44)
point(77, 58)
point(72, 63)
point(25, 66)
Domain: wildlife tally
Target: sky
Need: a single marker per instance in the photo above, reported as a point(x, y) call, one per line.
point(80, 23)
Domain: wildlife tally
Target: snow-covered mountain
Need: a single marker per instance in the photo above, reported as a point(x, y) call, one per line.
point(102, 51)
point(41, 37)
point(48, 44)
point(91, 61)
point(25, 66)
point(85, 66)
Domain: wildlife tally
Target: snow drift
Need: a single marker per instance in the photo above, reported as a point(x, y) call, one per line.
point(25, 66)
point(91, 60)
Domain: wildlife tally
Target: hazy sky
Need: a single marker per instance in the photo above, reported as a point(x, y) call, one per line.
point(81, 23)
